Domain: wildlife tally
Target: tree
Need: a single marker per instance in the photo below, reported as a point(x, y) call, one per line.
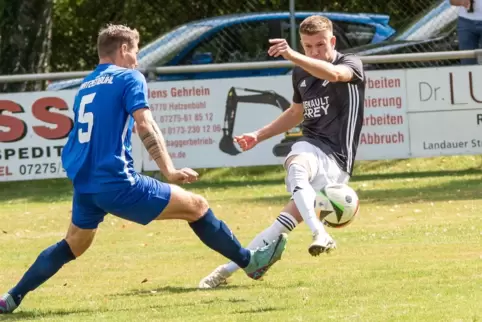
point(31, 43)
point(25, 40)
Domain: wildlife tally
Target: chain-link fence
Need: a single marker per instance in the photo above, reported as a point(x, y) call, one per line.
point(62, 33)
point(241, 38)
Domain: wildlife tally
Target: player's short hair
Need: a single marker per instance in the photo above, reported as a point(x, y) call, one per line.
point(314, 24)
point(112, 37)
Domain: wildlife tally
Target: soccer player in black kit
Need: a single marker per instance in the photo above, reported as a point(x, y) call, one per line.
point(329, 92)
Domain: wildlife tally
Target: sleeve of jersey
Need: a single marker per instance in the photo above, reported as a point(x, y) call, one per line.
point(296, 91)
point(356, 66)
point(135, 95)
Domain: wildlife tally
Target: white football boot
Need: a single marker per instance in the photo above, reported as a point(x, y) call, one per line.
point(216, 278)
point(322, 243)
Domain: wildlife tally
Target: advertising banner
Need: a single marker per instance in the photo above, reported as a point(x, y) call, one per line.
point(408, 113)
point(199, 119)
point(33, 130)
point(445, 108)
point(385, 126)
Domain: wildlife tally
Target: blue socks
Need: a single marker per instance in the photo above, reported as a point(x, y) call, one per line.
point(216, 235)
point(47, 264)
point(213, 232)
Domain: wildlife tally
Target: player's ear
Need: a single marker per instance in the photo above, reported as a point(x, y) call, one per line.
point(302, 44)
point(123, 49)
point(333, 41)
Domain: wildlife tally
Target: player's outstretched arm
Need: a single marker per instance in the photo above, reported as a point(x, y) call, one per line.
point(316, 67)
point(285, 122)
point(323, 69)
point(137, 105)
point(462, 3)
point(152, 138)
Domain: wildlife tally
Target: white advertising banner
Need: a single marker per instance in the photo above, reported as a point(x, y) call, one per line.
point(193, 114)
point(445, 111)
point(33, 130)
point(408, 113)
point(385, 125)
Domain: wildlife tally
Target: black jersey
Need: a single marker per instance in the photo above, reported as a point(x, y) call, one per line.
point(333, 112)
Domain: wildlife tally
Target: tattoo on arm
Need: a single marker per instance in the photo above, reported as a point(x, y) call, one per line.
point(152, 144)
point(155, 145)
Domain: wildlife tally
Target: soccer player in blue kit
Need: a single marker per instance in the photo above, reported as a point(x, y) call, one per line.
point(97, 159)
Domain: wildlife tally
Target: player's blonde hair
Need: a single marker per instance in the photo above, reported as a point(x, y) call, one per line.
point(314, 24)
point(111, 37)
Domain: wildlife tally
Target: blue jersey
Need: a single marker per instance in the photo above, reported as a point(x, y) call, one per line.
point(97, 156)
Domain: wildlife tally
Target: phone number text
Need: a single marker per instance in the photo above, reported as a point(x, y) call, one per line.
point(192, 129)
point(40, 168)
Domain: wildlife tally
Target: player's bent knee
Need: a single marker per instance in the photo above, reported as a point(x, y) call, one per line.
point(297, 176)
point(299, 160)
point(184, 205)
point(201, 207)
point(298, 170)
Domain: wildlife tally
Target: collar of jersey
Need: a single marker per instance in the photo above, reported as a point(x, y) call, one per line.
point(104, 66)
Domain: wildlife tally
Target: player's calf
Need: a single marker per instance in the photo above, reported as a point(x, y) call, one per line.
point(303, 195)
point(284, 224)
point(213, 232)
point(79, 240)
point(48, 263)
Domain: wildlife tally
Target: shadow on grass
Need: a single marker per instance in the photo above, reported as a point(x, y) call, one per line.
point(260, 310)
point(416, 175)
point(172, 290)
point(63, 314)
point(229, 183)
point(460, 189)
point(457, 189)
point(56, 190)
point(38, 315)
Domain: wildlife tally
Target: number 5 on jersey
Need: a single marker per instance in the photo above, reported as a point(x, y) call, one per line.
point(86, 118)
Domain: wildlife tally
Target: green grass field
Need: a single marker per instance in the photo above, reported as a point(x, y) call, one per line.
point(414, 254)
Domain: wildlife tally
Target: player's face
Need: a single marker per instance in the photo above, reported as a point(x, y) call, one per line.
point(128, 56)
point(320, 45)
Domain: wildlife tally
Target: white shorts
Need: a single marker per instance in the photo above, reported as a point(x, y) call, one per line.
point(323, 169)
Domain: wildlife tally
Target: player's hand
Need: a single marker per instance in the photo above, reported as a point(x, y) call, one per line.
point(246, 141)
point(280, 47)
point(463, 3)
point(184, 175)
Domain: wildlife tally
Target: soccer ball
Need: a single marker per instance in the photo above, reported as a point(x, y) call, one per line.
point(337, 205)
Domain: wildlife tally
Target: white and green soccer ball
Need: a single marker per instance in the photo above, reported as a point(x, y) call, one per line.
point(337, 205)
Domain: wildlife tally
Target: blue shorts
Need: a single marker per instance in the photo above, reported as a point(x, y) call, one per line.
point(140, 203)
